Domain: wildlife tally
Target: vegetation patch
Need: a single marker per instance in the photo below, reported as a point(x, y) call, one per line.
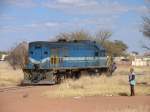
point(9, 76)
point(116, 85)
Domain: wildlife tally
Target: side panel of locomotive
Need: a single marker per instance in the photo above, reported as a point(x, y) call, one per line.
point(50, 59)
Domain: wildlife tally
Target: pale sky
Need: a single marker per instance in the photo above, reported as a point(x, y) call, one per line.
point(33, 20)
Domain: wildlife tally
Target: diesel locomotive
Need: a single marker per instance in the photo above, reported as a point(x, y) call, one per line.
point(50, 62)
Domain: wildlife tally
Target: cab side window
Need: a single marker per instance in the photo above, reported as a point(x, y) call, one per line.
point(45, 52)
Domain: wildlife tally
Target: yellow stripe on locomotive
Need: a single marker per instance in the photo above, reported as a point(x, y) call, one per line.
point(54, 60)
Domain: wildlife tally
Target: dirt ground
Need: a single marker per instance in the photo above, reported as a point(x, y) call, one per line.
point(30, 99)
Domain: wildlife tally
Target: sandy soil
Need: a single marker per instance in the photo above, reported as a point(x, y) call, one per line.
point(30, 99)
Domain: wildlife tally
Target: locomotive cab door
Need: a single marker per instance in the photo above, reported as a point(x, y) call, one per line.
point(54, 57)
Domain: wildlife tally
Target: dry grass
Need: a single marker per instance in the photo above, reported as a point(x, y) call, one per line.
point(103, 85)
point(87, 86)
point(8, 76)
point(124, 70)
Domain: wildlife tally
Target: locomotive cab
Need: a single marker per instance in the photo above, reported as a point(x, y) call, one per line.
point(37, 70)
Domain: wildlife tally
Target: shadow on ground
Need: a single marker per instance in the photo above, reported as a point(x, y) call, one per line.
point(123, 94)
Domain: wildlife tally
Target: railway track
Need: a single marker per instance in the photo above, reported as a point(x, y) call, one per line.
point(14, 88)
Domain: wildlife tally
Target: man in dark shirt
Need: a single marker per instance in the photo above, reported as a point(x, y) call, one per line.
point(132, 81)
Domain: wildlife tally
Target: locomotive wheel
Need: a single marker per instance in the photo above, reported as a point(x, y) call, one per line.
point(77, 75)
point(109, 72)
point(27, 76)
point(58, 79)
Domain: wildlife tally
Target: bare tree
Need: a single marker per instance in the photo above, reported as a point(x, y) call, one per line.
point(114, 48)
point(146, 27)
point(146, 31)
point(78, 35)
point(64, 35)
point(102, 36)
point(18, 55)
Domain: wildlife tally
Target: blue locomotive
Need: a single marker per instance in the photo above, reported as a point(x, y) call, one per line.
point(49, 62)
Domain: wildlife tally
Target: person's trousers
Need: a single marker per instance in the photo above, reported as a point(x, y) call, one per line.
point(132, 90)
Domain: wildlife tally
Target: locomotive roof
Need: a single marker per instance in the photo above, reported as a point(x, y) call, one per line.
point(62, 41)
point(74, 41)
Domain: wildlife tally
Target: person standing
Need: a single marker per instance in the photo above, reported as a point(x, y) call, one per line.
point(132, 82)
point(114, 67)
